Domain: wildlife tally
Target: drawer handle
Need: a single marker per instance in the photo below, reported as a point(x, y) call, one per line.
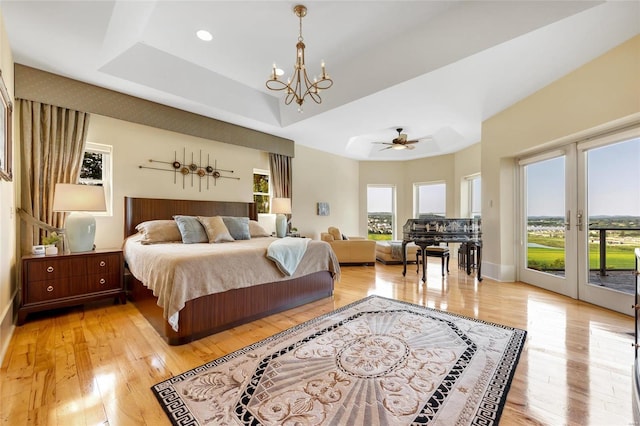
point(103, 263)
point(50, 269)
point(50, 288)
point(102, 281)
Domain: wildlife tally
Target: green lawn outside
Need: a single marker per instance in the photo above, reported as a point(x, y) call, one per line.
point(618, 256)
point(380, 237)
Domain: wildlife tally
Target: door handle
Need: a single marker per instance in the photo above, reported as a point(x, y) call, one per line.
point(567, 224)
point(579, 220)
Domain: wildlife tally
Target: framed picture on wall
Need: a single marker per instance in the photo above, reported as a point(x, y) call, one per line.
point(323, 209)
point(6, 110)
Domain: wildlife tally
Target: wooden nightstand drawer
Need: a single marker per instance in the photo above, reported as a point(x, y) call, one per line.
point(41, 291)
point(55, 268)
point(102, 282)
point(104, 264)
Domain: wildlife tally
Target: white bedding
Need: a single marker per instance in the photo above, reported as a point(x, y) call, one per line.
point(177, 272)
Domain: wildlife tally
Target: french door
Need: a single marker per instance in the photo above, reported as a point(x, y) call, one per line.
point(580, 219)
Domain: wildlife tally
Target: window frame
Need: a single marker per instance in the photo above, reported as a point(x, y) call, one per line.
point(471, 179)
point(267, 173)
point(107, 174)
point(394, 209)
point(416, 197)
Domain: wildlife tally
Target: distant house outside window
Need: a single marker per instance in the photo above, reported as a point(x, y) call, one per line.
point(96, 170)
point(381, 200)
point(429, 199)
point(261, 190)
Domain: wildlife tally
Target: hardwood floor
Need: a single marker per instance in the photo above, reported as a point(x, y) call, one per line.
point(95, 364)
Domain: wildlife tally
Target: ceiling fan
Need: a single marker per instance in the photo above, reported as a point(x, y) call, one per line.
point(400, 142)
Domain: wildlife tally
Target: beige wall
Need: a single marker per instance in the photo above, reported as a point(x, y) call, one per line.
point(8, 267)
point(133, 146)
point(601, 92)
point(402, 175)
point(317, 176)
point(466, 163)
point(322, 177)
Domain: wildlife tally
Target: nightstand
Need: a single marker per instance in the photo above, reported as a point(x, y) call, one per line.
point(62, 280)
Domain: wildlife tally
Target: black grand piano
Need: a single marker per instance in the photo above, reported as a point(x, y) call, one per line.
point(431, 231)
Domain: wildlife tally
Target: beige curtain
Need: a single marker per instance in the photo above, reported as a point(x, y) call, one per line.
point(53, 141)
point(280, 175)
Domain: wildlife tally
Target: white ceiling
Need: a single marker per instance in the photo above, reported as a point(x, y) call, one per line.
point(435, 68)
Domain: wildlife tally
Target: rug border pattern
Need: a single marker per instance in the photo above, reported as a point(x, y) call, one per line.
point(489, 410)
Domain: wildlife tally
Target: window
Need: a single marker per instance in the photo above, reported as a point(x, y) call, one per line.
point(381, 200)
point(429, 199)
point(96, 170)
point(261, 190)
point(475, 196)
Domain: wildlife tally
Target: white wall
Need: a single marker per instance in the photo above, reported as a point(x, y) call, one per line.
point(601, 92)
point(8, 266)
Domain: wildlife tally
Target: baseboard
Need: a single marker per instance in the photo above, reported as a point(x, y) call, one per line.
point(497, 272)
point(7, 326)
point(635, 372)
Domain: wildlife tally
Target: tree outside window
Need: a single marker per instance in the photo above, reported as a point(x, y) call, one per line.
point(261, 190)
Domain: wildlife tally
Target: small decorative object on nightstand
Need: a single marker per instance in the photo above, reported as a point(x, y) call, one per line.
point(61, 280)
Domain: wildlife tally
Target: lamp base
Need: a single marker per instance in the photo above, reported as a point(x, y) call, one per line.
point(80, 230)
point(281, 225)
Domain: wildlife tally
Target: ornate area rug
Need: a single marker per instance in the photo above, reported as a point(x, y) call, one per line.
point(375, 362)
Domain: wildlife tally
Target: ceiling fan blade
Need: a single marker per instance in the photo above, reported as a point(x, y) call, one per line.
point(383, 143)
point(409, 146)
point(384, 149)
point(413, 141)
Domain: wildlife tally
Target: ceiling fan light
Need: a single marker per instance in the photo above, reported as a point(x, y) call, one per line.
point(398, 147)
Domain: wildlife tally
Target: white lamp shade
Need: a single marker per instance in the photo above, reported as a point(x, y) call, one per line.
point(281, 205)
point(70, 197)
point(80, 227)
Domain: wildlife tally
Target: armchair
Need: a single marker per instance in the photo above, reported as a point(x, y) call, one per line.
point(352, 250)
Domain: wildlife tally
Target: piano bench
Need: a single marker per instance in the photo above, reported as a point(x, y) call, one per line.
point(441, 252)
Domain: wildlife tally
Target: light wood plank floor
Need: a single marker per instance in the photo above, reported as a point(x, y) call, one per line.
point(95, 364)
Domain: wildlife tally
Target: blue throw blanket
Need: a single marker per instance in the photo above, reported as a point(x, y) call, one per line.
point(287, 253)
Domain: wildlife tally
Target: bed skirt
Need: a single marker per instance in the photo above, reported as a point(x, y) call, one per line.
point(211, 314)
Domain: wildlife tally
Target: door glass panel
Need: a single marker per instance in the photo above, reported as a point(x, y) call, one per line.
point(545, 215)
point(613, 204)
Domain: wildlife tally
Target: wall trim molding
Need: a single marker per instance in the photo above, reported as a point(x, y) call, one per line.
point(41, 86)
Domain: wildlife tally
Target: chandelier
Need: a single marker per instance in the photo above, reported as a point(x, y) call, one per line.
point(299, 86)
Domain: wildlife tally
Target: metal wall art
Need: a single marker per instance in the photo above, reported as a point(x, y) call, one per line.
point(196, 172)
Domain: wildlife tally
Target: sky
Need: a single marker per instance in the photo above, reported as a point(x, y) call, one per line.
point(613, 188)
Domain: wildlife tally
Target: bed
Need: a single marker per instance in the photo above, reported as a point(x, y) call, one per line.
point(212, 313)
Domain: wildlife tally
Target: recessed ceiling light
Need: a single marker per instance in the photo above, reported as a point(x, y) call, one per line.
point(204, 35)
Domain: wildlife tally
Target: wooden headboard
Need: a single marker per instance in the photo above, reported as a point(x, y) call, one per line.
point(138, 210)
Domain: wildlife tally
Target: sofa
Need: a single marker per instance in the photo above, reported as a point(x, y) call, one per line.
point(386, 254)
point(350, 250)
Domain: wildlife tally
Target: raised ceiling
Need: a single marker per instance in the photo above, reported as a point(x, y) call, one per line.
point(435, 68)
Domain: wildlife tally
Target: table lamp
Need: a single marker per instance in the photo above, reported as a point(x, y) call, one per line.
point(80, 226)
point(282, 207)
